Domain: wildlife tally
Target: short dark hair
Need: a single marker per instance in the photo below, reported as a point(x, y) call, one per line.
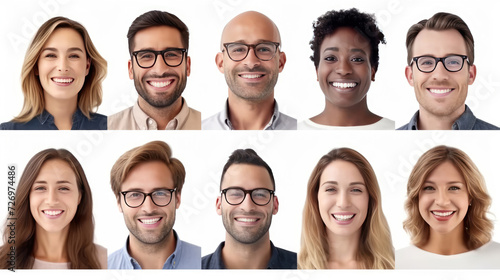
point(441, 21)
point(246, 156)
point(363, 23)
point(157, 18)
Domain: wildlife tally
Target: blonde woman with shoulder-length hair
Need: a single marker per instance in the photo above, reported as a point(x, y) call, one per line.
point(343, 225)
point(61, 80)
point(447, 205)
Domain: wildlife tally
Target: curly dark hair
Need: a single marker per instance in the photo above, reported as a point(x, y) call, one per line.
point(363, 23)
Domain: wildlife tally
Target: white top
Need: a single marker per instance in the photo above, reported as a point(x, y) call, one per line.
point(382, 124)
point(39, 264)
point(485, 257)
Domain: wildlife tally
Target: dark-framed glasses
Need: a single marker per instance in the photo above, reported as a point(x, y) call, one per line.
point(452, 63)
point(160, 198)
point(236, 195)
point(264, 51)
point(147, 58)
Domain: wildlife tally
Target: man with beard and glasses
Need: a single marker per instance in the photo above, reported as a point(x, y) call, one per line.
point(247, 203)
point(147, 182)
point(441, 68)
point(251, 60)
point(159, 65)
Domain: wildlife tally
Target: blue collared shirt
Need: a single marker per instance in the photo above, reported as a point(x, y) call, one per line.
point(280, 259)
point(45, 121)
point(466, 121)
point(220, 121)
point(185, 256)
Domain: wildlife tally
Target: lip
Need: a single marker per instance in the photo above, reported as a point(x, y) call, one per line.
point(252, 76)
point(343, 85)
point(443, 215)
point(247, 220)
point(439, 91)
point(62, 81)
point(52, 213)
point(150, 222)
point(161, 84)
point(343, 218)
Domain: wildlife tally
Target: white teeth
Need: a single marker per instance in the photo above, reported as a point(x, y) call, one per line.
point(439, 91)
point(343, 85)
point(246, 220)
point(442, 214)
point(251, 76)
point(52, 213)
point(149, 221)
point(65, 81)
point(160, 84)
point(343, 217)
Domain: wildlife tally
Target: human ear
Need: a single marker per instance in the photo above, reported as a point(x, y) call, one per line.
point(409, 75)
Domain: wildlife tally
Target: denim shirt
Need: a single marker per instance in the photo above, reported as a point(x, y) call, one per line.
point(220, 121)
point(185, 256)
point(45, 121)
point(280, 259)
point(466, 121)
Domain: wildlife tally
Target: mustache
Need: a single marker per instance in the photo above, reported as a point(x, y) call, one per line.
point(162, 76)
point(257, 68)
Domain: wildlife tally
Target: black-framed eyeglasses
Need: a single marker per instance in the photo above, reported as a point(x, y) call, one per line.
point(452, 63)
point(236, 195)
point(173, 57)
point(160, 198)
point(264, 51)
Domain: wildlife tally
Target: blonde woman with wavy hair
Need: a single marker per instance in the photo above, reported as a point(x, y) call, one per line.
point(447, 207)
point(61, 80)
point(343, 225)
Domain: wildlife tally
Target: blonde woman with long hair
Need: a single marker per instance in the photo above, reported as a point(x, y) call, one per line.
point(447, 208)
point(343, 225)
point(61, 80)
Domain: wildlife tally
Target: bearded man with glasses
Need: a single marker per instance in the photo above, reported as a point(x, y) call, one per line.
point(147, 182)
point(250, 59)
point(247, 203)
point(441, 68)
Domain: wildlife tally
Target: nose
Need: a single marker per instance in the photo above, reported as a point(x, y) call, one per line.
point(442, 198)
point(343, 200)
point(63, 64)
point(148, 204)
point(251, 61)
point(440, 73)
point(51, 197)
point(344, 67)
point(248, 203)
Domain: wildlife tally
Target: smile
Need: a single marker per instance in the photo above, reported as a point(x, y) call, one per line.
point(159, 84)
point(443, 214)
point(343, 85)
point(52, 212)
point(247, 220)
point(251, 76)
point(343, 218)
point(440, 91)
point(63, 80)
point(149, 221)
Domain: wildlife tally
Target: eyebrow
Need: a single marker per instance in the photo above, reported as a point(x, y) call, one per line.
point(335, 49)
point(350, 184)
point(69, 50)
point(58, 182)
point(452, 182)
point(153, 190)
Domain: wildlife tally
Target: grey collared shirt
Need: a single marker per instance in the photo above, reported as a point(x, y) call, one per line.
point(220, 121)
point(185, 256)
point(466, 121)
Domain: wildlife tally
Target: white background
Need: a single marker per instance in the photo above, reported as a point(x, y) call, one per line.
point(292, 155)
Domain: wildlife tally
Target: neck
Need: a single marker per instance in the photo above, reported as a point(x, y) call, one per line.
point(343, 250)
point(427, 120)
point(51, 246)
point(451, 243)
point(236, 255)
point(346, 116)
point(62, 111)
point(249, 114)
point(164, 115)
point(151, 256)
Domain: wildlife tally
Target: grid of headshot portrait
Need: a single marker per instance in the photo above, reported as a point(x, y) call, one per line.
point(324, 184)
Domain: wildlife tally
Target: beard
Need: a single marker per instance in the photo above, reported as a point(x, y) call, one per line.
point(245, 236)
point(251, 92)
point(148, 236)
point(160, 99)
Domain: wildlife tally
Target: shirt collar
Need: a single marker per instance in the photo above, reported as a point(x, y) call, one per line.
point(46, 118)
point(171, 261)
point(224, 117)
point(466, 121)
point(145, 122)
point(274, 261)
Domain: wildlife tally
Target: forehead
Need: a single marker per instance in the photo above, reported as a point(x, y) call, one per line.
point(439, 43)
point(346, 39)
point(147, 176)
point(58, 168)
point(65, 37)
point(247, 176)
point(158, 38)
point(341, 171)
point(446, 171)
point(250, 28)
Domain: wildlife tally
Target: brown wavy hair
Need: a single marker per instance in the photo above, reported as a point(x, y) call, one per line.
point(80, 241)
point(375, 244)
point(89, 97)
point(478, 227)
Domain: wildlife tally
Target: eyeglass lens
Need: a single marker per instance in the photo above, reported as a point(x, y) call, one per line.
point(452, 63)
point(160, 198)
point(147, 59)
point(259, 196)
point(263, 51)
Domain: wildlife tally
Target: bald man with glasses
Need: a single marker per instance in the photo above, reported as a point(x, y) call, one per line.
point(441, 68)
point(251, 61)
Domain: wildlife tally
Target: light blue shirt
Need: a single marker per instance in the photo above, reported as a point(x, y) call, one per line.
point(185, 256)
point(220, 121)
